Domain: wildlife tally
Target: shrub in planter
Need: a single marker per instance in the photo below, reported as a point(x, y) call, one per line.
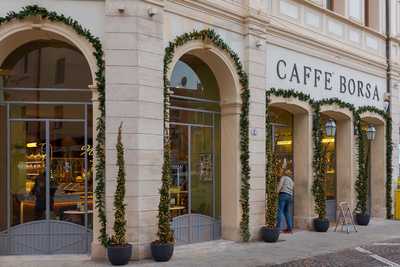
point(321, 223)
point(163, 248)
point(118, 250)
point(361, 215)
point(270, 232)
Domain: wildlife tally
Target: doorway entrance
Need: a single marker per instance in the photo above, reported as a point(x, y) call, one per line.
point(195, 153)
point(282, 140)
point(46, 132)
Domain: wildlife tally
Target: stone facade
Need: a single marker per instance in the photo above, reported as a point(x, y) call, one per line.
point(134, 34)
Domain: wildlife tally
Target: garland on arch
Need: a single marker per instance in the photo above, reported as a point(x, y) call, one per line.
point(361, 185)
point(389, 152)
point(211, 36)
point(43, 13)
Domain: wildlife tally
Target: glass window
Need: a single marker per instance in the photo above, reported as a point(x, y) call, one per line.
point(46, 64)
point(191, 77)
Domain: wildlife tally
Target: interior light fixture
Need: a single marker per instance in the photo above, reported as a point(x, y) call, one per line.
point(284, 143)
point(328, 140)
point(31, 145)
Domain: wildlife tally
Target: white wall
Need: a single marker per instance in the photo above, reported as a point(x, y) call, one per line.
point(90, 13)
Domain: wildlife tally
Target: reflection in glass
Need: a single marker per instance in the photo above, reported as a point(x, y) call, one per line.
point(201, 157)
point(27, 169)
point(180, 170)
point(46, 64)
point(67, 172)
point(282, 126)
point(195, 139)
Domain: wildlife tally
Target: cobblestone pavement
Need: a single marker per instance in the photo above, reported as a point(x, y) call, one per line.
point(386, 253)
point(303, 248)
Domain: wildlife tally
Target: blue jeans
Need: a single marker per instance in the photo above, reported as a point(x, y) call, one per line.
point(284, 208)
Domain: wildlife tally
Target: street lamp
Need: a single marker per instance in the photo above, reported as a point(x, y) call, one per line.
point(330, 128)
point(371, 132)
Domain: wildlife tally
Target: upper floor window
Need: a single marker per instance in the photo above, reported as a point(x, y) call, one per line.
point(337, 6)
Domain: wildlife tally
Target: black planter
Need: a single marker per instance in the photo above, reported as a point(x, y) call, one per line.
point(362, 219)
point(119, 255)
point(162, 252)
point(270, 235)
point(321, 225)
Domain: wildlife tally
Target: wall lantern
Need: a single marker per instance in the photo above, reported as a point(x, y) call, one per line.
point(386, 105)
point(371, 132)
point(330, 128)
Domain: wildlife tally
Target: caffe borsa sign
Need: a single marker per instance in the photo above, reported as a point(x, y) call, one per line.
point(287, 69)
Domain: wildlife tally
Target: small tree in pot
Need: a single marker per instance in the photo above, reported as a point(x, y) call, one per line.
point(163, 248)
point(118, 250)
point(321, 223)
point(270, 232)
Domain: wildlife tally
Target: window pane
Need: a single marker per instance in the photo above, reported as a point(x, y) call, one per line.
point(47, 96)
point(50, 111)
point(47, 64)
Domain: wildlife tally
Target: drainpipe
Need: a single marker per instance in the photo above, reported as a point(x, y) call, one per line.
point(388, 52)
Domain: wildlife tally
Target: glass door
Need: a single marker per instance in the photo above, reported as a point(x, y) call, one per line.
point(28, 162)
point(70, 182)
point(50, 202)
point(193, 191)
point(201, 171)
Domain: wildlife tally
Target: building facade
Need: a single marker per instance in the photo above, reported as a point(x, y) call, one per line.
point(50, 99)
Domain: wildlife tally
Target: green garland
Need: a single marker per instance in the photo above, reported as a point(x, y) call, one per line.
point(215, 39)
point(36, 11)
point(389, 151)
point(271, 174)
point(361, 184)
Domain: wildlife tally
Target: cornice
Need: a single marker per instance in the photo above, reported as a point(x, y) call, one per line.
point(340, 17)
point(334, 51)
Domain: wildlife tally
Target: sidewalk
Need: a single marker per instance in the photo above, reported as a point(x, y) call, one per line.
point(301, 244)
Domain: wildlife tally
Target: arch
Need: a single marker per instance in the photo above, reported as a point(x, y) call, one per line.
point(371, 117)
point(19, 32)
point(234, 95)
point(33, 17)
point(219, 62)
point(291, 105)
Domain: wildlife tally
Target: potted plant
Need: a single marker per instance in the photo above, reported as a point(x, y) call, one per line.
point(163, 248)
point(118, 249)
point(321, 223)
point(361, 215)
point(270, 232)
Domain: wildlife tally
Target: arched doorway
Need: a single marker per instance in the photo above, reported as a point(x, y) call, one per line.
point(375, 162)
point(292, 126)
point(339, 181)
point(195, 152)
point(47, 117)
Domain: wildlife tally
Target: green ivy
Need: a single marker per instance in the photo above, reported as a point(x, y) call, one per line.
point(36, 11)
point(211, 36)
point(389, 151)
point(319, 161)
point(271, 172)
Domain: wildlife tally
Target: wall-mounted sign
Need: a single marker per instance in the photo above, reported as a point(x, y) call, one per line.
point(288, 69)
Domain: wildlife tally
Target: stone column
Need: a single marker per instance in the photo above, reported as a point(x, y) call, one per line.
point(378, 173)
point(97, 250)
point(303, 172)
point(134, 95)
point(254, 62)
point(345, 162)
